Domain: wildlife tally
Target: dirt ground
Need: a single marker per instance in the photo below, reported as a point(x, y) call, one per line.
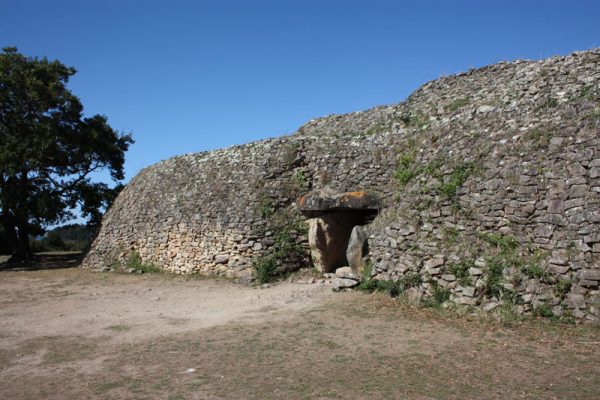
point(67, 333)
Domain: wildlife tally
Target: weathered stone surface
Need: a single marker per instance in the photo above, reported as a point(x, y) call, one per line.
point(591, 274)
point(343, 283)
point(318, 202)
point(221, 259)
point(346, 272)
point(536, 184)
point(328, 237)
point(357, 248)
point(575, 301)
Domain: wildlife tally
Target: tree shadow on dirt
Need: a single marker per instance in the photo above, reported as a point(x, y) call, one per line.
point(43, 261)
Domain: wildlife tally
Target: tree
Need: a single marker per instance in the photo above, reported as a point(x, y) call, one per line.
point(48, 150)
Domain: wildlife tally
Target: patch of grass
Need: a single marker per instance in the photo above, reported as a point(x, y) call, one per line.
point(300, 179)
point(450, 234)
point(506, 252)
point(537, 138)
point(377, 128)
point(456, 105)
point(390, 287)
point(415, 119)
point(267, 207)
point(587, 92)
point(493, 281)
point(439, 295)
point(543, 310)
point(134, 260)
point(563, 287)
point(455, 180)
point(461, 271)
point(290, 153)
point(506, 243)
point(406, 170)
point(549, 103)
point(534, 271)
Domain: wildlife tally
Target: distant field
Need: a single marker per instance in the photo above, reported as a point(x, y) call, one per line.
point(73, 334)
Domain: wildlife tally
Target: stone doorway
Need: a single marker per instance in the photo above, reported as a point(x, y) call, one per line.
point(335, 235)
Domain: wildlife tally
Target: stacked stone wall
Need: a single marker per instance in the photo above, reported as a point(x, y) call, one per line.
point(498, 166)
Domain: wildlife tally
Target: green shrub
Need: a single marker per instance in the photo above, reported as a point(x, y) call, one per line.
point(439, 295)
point(533, 271)
point(300, 179)
point(284, 224)
point(134, 260)
point(455, 180)
point(562, 287)
point(405, 171)
point(265, 268)
point(493, 283)
point(392, 288)
point(543, 310)
point(267, 207)
point(505, 243)
point(461, 271)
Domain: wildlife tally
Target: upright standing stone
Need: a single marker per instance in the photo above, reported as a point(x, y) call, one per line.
point(357, 248)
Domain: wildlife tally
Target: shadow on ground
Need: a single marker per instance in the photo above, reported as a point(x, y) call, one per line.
point(43, 261)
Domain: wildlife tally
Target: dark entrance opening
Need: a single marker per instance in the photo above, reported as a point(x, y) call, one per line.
point(332, 220)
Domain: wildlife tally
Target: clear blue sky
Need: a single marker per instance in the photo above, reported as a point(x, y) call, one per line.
point(187, 76)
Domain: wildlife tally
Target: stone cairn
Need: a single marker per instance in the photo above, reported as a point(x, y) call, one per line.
point(487, 182)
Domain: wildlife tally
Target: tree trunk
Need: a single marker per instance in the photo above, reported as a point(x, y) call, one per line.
point(11, 234)
point(23, 250)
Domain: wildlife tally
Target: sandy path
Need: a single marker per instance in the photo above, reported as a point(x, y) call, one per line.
point(133, 307)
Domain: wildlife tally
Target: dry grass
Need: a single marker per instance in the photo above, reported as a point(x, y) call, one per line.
point(352, 346)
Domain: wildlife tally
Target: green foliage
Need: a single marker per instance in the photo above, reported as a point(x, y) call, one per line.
point(300, 179)
point(455, 180)
point(73, 237)
point(285, 225)
point(563, 287)
point(456, 105)
point(411, 279)
point(505, 256)
point(508, 254)
point(533, 271)
point(461, 271)
point(392, 288)
point(550, 102)
point(506, 243)
point(451, 234)
point(134, 260)
point(48, 150)
point(415, 119)
point(449, 184)
point(266, 268)
point(493, 282)
point(536, 138)
point(588, 92)
point(405, 171)
point(377, 128)
point(267, 207)
point(439, 295)
point(543, 310)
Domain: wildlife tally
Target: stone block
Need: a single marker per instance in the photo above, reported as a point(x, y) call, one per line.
point(343, 283)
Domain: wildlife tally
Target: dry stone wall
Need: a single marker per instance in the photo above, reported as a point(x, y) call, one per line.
point(489, 183)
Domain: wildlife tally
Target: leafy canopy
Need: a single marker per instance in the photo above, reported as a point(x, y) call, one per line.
point(48, 149)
